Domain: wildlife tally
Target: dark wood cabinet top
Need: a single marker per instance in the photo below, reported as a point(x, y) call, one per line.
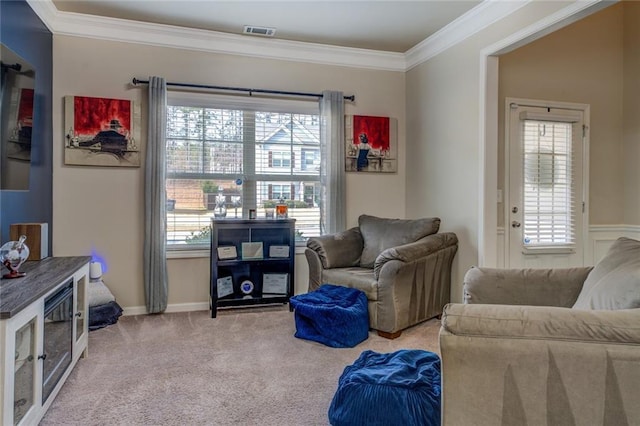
point(42, 276)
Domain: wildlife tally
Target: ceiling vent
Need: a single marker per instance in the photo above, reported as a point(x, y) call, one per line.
point(259, 31)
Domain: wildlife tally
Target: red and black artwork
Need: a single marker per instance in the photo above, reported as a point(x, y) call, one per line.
point(369, 145)
point(100, 132)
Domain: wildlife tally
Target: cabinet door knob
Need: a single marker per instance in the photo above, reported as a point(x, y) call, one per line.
point(78, 314)
point(42, 357)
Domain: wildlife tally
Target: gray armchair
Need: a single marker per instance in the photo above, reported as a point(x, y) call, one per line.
point(545, 346)
point(403, 266)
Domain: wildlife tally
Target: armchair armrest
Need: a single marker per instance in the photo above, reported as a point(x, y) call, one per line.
point(415, 250)
point(542, 322)
point(536, 287)
point(339, 250)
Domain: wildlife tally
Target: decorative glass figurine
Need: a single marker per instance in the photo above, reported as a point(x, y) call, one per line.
point(220, 210)
point(12, 255)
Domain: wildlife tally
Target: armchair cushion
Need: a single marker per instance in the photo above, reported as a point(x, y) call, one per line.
point(614, 283)
point(379, 234)
point(354, 277)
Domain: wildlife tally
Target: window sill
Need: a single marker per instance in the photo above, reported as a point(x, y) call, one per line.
point(205, 253)
point(188, 254)
point(528, 251)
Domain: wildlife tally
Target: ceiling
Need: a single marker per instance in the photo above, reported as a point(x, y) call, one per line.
point(390, 26)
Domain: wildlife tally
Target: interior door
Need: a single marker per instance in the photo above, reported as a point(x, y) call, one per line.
point(546, 202)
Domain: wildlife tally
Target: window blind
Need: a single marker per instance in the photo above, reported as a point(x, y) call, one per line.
point(549, 182)
point(225, 161)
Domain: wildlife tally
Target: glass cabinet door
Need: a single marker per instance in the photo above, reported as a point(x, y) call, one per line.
point(24, 371)
point(80, 314)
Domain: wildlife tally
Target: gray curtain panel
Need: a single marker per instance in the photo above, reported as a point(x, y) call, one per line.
point(155, 260)
point(332, 174)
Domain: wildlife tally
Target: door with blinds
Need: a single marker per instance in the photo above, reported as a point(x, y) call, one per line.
point(546, 205)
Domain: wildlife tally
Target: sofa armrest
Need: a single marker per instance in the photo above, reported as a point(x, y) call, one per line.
point(416, 250)
point(536, 287)
point(339, 250)
point(519, 365)
point(542, 322)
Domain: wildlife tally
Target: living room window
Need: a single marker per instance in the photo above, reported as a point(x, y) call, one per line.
point(226, 156)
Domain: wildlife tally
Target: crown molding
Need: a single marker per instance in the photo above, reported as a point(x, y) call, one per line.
point(550, 23)
point(123, 30)
point(472, 22)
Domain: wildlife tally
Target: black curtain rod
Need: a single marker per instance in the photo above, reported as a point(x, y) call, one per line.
point(15, 67)
point(241, 89)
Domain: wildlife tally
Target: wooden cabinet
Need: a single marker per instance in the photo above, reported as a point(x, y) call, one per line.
point(43, 331)
point(252, 262)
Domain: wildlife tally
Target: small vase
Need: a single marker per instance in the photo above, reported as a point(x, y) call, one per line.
point(12, 255)
point(220, 211)
point(282, 211)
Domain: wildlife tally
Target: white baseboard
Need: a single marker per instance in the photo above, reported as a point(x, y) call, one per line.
point(599, 240)
point(176, 307)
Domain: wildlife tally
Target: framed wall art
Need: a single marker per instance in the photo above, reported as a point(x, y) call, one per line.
point(101, 132)
point(370, 144)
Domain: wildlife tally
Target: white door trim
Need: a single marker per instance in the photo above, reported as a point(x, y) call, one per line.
point(488, 128)
point(585, 110)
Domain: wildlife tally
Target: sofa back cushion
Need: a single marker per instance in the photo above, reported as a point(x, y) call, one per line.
point(614, 283)
point(380, 234)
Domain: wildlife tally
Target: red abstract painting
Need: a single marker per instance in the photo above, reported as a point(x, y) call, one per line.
point(92, 115)
point(375, 128)
point(102, 132)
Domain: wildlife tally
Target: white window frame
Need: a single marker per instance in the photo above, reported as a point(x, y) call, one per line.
point(280, 190)
point(203, 100)
point(282, 157)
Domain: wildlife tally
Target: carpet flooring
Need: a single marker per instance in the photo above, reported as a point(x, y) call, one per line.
point(244, 367)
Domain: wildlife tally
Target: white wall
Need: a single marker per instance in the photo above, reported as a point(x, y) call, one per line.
point(443, 135)
point(101, 209)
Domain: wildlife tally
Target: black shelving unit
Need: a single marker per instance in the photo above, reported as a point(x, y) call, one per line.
point(241, 273)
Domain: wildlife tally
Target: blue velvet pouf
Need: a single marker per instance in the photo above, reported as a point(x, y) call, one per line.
point(333, 315)
point(399, 388)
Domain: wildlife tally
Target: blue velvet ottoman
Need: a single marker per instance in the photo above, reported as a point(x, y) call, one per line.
point(399, 388)
point(333, 315)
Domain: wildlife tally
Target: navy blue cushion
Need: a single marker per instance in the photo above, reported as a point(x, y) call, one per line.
point(103, 315)
point(332, 315)
point(399, 388)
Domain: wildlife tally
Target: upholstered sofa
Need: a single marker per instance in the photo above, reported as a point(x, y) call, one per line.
point(545, 346)
point(402, 265)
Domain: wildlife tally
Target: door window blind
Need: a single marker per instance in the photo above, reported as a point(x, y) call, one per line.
point(549, 188)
